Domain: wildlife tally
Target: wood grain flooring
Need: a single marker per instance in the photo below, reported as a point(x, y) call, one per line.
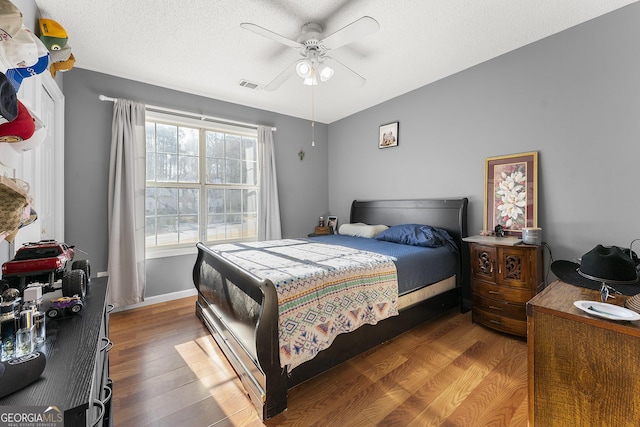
point(168, 371)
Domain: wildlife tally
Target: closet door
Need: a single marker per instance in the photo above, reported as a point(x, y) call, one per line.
point(43, 167)
point(49, 175)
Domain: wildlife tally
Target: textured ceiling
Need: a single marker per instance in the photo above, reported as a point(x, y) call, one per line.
point(198, 46)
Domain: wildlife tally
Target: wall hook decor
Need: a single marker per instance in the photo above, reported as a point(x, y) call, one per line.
point(301, 155)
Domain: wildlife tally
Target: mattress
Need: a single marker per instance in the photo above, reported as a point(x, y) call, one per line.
point(417, 266)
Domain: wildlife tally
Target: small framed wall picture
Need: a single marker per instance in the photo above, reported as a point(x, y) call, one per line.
point(388, 136)
point(332, 223)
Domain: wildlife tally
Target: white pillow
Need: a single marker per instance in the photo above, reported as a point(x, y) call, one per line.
point(360, 229)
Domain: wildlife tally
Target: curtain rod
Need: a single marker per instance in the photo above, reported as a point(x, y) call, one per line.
point(187, 114)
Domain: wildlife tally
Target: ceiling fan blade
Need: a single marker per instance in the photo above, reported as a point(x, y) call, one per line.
point(282, 77)
point(269, 34)
point(357, 29)
point(337, 64)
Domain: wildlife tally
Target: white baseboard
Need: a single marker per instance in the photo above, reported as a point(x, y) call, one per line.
point(158, 299)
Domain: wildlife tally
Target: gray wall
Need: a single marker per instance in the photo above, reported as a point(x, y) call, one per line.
point(574, 97)
point(302, 185)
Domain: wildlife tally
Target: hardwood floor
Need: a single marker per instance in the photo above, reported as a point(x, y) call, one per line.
point(168, 371)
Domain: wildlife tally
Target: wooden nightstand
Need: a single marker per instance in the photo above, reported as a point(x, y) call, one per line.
point(504, 276)
point(320, 231)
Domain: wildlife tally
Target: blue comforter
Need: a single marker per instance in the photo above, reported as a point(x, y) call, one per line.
point(417, 266)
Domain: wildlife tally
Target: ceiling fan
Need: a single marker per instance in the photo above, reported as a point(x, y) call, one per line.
point(313, 47)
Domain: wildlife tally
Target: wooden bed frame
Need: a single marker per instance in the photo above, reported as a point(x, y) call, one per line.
point(241, 311)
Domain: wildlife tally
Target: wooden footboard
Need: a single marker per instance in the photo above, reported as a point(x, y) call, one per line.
point(241, 312)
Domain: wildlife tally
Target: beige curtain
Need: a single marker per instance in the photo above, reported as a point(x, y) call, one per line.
point(269, 205)
point(126, 204)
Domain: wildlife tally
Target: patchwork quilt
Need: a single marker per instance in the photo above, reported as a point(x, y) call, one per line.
point(323, 290)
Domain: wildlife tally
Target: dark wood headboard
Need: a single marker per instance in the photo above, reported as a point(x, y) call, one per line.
point(450, 214)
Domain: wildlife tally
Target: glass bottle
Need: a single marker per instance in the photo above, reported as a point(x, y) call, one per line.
point(40, 330)
point(38, 317)
point(24, 336)
point(7, 330)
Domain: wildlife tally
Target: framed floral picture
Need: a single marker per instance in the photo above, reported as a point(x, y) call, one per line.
point(511, 192)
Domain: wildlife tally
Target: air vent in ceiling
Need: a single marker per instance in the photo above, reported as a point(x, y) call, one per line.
point(248, 84)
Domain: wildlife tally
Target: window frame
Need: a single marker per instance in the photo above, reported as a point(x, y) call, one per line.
point(203, 125)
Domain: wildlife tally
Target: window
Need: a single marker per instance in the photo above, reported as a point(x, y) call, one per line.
point(201, 183)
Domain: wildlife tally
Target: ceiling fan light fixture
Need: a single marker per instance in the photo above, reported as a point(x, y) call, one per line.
point(313, 45)
point(325, 72)
point(304, 68)
point(311, 80)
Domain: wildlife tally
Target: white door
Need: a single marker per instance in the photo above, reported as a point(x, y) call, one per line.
point(45, 174)
point(43, 167)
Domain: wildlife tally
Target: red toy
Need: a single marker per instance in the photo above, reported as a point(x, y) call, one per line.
point(46, 262)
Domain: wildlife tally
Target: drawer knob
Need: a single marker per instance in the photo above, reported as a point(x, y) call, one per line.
point(493, 307)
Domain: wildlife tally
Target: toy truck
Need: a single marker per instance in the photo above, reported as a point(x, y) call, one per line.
point(47, 261)
point(60, 305)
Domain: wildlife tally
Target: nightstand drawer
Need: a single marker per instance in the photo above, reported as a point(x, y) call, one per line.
point(500, 323)
point(500, 308)
point(515, 295)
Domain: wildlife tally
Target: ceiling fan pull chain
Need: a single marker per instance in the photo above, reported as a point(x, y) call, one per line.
point(313, 122)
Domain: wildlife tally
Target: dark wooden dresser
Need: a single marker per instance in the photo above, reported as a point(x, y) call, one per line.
point(76, 377)
point(583, 370)
point(503, 278)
